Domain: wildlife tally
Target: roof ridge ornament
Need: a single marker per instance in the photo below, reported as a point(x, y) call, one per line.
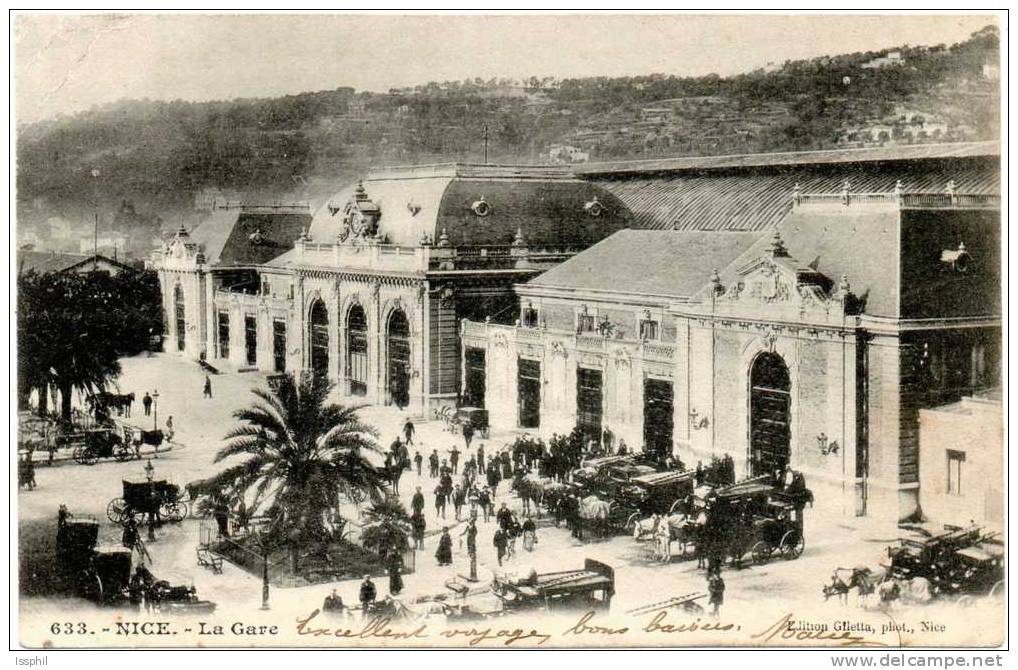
point(518, 240)
point(443, 240)
point(777, 246)
point(481, 207)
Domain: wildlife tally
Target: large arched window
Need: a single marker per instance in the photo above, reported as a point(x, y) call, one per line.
point(178, 316)
point(357, 350)
point(398, 340)
point(319, 340)
point(770, 414)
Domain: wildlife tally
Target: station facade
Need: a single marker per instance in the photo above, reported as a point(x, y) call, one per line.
point(811, 342)
point(368, 291)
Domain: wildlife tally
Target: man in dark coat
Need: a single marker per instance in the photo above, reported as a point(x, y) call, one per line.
point(459, 498)
point(147, 402)
point(433, 464)
point(417, 502)
point(395, 568)
point(408, 431)
point(716, 588)
point(500, 541)
point(418, 459)
point(484, 500)
point(417, 527)
point(504, 517)
point(480, 458)
point(454, 459)
point(468, 433)
point(333, 604)
point(367, 595)
point(440, 501)
point(444, 552)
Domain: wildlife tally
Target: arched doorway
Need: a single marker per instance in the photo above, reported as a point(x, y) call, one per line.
point(357, 350)
point(398, 337)
point(319, 319)
point(178, 316)
point(769, 414)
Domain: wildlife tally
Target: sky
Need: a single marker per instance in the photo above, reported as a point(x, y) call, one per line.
point(66, 63)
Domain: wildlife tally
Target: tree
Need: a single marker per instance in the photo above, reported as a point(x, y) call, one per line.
point(304, 455)
point(388, 527)
point(73, 328)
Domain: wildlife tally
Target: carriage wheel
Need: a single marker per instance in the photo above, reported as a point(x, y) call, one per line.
point(965, 602)
point(81, 455)
point(122, 452)
point(90, 586)
point(173, 511)
point(792, 545)
point(996, 589)
point(761, 552)
point(631, 521)
point(116, 511)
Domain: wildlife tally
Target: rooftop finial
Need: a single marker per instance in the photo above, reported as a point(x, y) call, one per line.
point(518, 240)
point(777, 245)
point(443, 240)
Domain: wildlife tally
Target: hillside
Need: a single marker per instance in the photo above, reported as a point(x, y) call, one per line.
point(153, 157)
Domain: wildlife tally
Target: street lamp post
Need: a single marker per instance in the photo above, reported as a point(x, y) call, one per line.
point(95, 233)
point(155, 409)
point(263, 543)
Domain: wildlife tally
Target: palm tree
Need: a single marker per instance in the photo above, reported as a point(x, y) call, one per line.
point(387, 526)
point(304, 456)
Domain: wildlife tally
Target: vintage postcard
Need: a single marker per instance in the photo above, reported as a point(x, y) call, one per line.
point(509, 331)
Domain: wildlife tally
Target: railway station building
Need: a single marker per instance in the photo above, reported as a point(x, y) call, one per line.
point(369, 289)
point(787, 310)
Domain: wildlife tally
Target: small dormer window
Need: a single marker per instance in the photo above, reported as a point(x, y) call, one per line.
point(481, 207)
point(648, 329)
point(530, 319)
point(594, 207)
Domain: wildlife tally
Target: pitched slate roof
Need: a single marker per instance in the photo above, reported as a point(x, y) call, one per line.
point(43, 262)
point(249, 235)
point(668, 263)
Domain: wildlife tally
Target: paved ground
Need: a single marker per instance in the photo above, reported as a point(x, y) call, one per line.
point(201, 423)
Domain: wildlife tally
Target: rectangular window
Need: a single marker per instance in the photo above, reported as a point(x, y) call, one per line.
point(265, 286)
point(279, 345)
point(648, 330)
point(530, 317)
point(954, 467)
point(251, 338)
point(528, 388)
point(585, 323)
point(223, 320)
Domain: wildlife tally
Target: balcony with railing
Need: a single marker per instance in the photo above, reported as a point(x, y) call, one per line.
point(949, 198)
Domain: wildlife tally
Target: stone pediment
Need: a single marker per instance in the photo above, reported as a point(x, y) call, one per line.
point(776, 278)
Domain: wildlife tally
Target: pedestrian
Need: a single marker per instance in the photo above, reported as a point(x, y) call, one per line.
point(433, 464)
point(367, 596)
point(607, 440)
point(500, 543)
point(408, 431)
point(511, 533)
point(418, 459)
point(169, 429)
point(207, 391)
point(417, 527)
point(529, 534)
point(459, 498)
point(333, 604)
point(468, 433)
point(716, 588)
point(395, 573)
point(480, 458)
point(440, 500)
point(147, 403)
point(664, 540)
point(504, 517)
point(484, 500)
point(444, 552)
point(222, 515)
point(454, 459)
point(623, 449)
point(417, 502)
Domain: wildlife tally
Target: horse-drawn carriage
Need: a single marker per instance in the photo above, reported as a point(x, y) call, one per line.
point(961, 562)
point(91, 445)
point(758, 519)
point(591, 588)
point(159, 499)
